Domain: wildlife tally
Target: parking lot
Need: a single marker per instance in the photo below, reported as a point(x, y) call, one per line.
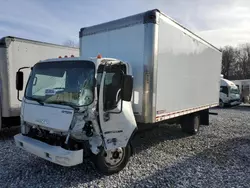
point(219, 156)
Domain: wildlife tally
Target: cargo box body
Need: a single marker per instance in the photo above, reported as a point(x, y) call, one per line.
point(16, 53)
point(175, 71)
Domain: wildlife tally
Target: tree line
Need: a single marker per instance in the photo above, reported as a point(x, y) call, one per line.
point(236, 62)
point(71, 43)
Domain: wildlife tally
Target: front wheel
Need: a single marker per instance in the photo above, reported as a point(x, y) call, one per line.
point(112, 161)
point(221, 104)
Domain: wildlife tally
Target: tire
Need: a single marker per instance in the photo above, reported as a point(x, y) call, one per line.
point(191, 124)
point(101, 160)
point(221, 104)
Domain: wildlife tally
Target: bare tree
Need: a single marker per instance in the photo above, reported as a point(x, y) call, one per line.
point(236, 62)
point(245, 60)
point(71, 43)
point(228, 59)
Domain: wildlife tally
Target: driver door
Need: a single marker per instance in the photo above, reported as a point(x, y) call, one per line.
point(116, 116)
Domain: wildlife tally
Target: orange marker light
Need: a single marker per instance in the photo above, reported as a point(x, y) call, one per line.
point(60, 57)
point(99, 56)
point(65, 56)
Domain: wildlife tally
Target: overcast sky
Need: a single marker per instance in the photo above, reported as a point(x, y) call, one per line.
point(221, 22)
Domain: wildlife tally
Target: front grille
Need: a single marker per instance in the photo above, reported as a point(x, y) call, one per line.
point(235, 100)
point(53, 139)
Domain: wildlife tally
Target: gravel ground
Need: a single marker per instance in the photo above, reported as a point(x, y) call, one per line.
point(219, 156)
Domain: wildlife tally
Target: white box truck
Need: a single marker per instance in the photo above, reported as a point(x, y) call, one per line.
point(244, 88)
point(15, 53)
point(229, 93)
point(150, 70)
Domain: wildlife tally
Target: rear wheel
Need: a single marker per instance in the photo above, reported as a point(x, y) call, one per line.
point(191, 124)
point(243, 100)
point(112, 161)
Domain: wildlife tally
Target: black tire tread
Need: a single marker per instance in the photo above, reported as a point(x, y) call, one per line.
point(188, 124)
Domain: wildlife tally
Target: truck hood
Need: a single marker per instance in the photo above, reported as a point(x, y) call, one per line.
point(234, 96)
point(55, 118)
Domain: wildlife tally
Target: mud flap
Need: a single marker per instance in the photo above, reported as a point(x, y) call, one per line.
point(204, 117)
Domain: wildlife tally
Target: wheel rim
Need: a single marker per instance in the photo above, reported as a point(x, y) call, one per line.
point(115, 157)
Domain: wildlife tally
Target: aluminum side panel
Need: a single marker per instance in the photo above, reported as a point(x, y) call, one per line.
point(22, 54)
point(126, 44)
point(188, 70)
point(150, 72)
point(4, 97)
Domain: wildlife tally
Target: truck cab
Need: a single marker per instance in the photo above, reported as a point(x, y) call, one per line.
point(74, 107)
point(229, 93)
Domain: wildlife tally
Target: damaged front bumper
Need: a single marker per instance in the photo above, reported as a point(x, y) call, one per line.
point(55, 154)
point(234, 102)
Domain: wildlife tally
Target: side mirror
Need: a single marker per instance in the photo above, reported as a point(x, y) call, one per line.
point(19, 81)
point(127, 88)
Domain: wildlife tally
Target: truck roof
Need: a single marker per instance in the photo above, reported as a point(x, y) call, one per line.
point(226, 82)
point(5, 41)
point(243, 80)
point(61, 59)
point(145, 17)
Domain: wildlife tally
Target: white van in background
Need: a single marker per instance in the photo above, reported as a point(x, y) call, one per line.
point(229, 93)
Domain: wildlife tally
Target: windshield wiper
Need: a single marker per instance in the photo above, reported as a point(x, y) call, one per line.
point(37, 100)
point(63, 103)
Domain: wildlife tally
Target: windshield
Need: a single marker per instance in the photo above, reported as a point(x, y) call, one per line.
point(234, 90)
point(66, 82)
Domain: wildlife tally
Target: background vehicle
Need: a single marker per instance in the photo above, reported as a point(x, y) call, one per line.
point(152, 70)
point(229, 93)
point(15, 53)
point(244, 87)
